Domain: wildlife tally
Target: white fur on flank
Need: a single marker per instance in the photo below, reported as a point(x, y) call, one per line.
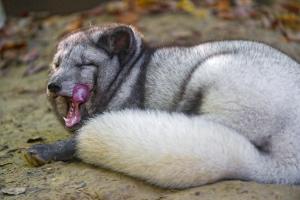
point(170, 150)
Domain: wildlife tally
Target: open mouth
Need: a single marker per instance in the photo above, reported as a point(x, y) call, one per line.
point(80, 95)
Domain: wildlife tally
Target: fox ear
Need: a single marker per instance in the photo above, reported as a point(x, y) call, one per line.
point(119, 40)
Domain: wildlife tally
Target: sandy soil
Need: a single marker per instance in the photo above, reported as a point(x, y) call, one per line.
point(25, 113)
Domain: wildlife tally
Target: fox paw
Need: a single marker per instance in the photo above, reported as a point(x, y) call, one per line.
point(39, 154)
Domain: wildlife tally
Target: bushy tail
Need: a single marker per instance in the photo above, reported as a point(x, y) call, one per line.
point(173, 150)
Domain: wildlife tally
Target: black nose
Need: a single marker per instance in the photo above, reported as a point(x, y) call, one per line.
point(52, 87)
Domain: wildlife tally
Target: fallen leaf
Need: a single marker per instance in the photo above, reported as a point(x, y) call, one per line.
point(266, 21)
point(226, 15)
point(243, 12)
point(34, 69)
point(152, 6)
point(189, 7)
point(146, 3)
point(290, 21)
point(128, 18)
point(74, 25)
point(30, 56)
point(11, 45)
point(132, 5)
point(291, 36)
point(211, 2)
point(116, 7)
point(96, 11)
point(224, 5)
point(292, 6)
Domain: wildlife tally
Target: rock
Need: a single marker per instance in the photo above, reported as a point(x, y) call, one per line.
point(13, 191)
point(80, 184)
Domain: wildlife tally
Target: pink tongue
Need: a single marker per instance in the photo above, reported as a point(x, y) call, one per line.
point(80, 95)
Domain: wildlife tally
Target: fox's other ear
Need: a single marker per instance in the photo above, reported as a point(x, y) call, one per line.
point(118, 41)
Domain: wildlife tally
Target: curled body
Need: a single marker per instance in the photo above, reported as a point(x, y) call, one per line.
point(177, 117)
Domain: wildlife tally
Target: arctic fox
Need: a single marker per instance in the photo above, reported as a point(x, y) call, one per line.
point(176, 117)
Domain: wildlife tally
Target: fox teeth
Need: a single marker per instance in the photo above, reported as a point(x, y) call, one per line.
point(66, 119)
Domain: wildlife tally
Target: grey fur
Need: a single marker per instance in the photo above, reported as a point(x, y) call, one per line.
point(247, 87)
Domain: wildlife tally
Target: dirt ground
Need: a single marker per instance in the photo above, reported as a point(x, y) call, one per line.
point(26, 118)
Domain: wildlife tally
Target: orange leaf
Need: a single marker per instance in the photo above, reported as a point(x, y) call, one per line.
point(128, 18)
point(223, 5)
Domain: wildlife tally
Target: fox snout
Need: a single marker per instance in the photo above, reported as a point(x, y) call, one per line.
point(54, 87)
point(61, 87)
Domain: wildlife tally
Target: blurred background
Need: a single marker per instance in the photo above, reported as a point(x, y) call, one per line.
point(29, 33)
point(30, 28)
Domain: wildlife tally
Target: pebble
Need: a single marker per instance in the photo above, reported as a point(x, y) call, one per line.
point(13, 191)
point(81, 184)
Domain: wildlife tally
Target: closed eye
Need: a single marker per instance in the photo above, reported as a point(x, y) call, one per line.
point(85, 64)
point(55, 65)
point(56, 62)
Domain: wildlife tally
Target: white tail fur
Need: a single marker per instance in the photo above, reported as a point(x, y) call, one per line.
point(171, 150)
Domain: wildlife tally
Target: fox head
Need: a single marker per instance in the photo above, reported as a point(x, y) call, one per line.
point(95, 58)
